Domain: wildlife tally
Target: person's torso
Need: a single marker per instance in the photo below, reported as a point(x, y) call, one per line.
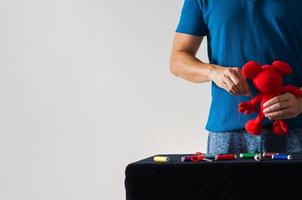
point(243, 30)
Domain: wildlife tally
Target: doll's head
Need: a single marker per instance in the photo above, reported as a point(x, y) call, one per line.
point(266, 78)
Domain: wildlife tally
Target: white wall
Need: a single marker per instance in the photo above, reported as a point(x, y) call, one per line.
point(85, 89)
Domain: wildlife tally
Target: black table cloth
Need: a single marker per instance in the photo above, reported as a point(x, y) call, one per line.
point(238, 179)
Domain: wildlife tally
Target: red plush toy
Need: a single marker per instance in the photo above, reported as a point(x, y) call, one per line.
point(268, 80)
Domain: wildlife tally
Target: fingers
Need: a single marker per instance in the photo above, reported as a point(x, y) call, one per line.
point(277, 106)
point(282, 114)
point(281, 107)
point(234, 82)
point(237, 83)
point(246, 89)
point(277, 99)
point(230, 86)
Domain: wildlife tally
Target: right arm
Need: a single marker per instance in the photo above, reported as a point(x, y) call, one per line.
point(184, 64)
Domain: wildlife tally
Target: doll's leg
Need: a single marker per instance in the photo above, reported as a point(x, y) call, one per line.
point(280, 127)
point(254, 126)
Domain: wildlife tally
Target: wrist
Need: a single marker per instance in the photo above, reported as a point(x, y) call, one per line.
point(213, 69)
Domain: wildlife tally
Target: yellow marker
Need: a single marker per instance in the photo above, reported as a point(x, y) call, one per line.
point(161, 159)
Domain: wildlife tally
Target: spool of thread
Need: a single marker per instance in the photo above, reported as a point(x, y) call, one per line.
point(226, 157)
point(161, 159)
point(282, 157)
point(269, 154)
point(258, 157)
point(248, 155)
point(186, 159)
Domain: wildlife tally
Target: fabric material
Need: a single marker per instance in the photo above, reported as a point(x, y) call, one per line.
point(242, 141)
point(241, 30)
point(220, 180)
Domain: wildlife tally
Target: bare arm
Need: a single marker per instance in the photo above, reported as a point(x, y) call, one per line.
point(184, 64)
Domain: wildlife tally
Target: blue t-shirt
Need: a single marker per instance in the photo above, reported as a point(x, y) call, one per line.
point(241, 30)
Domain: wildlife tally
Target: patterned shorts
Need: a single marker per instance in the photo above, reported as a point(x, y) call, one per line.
point(241, 141)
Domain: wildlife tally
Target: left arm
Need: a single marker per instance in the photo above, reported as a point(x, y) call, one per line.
point(285, 106)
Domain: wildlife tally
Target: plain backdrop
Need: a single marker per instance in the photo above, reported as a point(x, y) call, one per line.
point(85, 89)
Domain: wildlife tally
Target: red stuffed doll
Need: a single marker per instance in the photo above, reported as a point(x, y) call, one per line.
point(268, 80)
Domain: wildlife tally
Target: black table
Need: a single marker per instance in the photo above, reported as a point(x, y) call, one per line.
point(239, 179)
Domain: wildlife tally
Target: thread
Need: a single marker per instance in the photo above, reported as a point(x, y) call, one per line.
point(258, 157)
point(226, 157)
point(161, 159)
point(248, 155)
point(282, 157)
point(269, 154)
point(186, 159)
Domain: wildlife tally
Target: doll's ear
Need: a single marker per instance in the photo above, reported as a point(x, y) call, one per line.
point(251, 69)
point(282, 67)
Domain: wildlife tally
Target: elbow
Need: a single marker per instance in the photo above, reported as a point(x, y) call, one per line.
point(174, 69)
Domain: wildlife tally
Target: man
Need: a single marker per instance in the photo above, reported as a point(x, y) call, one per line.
point(238, 31)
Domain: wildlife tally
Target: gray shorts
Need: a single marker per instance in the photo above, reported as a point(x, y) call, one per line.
point(241, 141)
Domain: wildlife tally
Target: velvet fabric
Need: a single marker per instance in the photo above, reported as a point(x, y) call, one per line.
point(219, 180)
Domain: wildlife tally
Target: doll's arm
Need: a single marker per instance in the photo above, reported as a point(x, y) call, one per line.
point(250, 106)
point(292, 89)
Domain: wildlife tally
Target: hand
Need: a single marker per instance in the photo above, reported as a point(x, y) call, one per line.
point(285, 106)
point(247, 108)
point(230, 79)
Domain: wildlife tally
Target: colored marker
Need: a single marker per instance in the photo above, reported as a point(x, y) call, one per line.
point(161, 159)
point(226, 157)
point(282, 157)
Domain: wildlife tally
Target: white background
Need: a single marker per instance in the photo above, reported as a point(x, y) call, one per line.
point(85, 89)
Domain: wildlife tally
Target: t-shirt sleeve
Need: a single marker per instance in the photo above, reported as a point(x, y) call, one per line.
point(191, 19)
